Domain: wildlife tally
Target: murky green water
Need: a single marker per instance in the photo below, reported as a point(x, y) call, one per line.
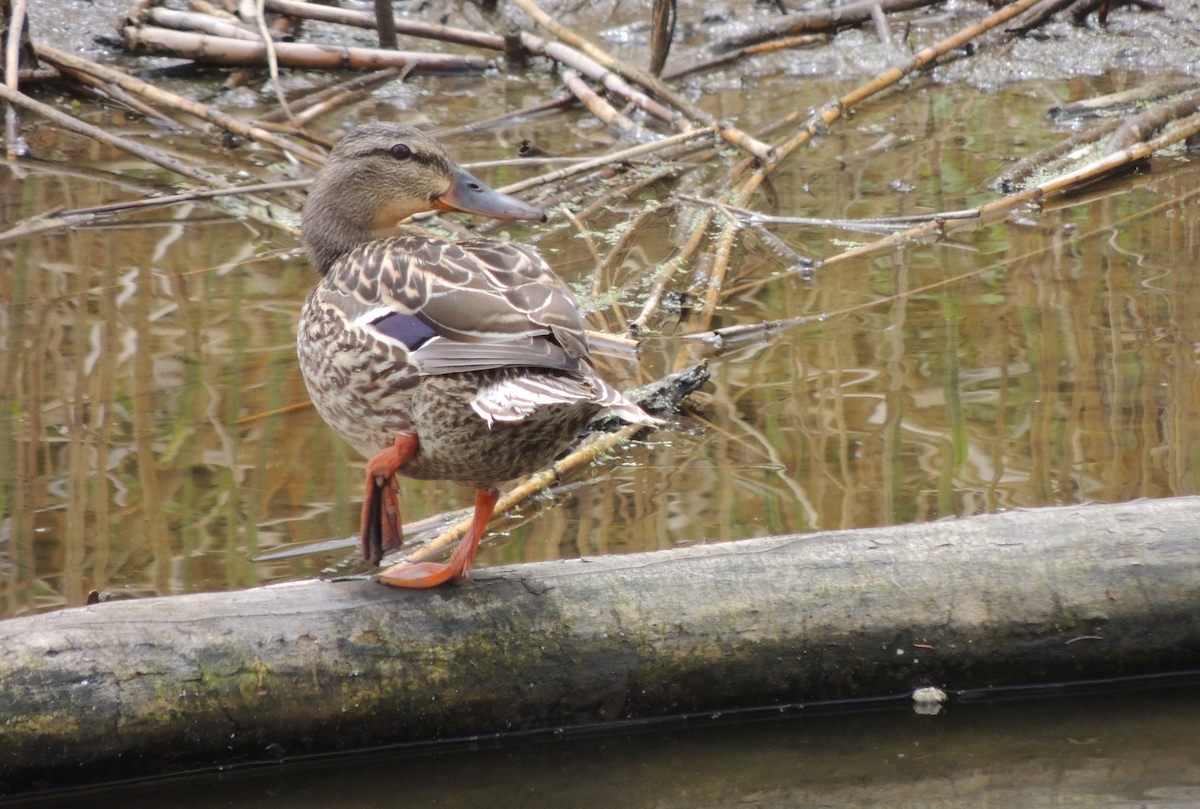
point(1048, 358)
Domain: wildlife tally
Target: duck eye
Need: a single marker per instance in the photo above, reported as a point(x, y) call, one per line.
point(401, 151)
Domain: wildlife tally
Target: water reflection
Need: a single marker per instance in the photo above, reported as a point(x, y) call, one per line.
point(139, 360)
point(1116, 750)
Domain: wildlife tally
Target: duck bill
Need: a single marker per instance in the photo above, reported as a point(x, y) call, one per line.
point(468, 195)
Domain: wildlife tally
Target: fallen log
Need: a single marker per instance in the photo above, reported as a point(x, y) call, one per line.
point(132, 688)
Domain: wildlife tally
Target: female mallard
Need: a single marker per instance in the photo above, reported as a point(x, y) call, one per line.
point(463, 361)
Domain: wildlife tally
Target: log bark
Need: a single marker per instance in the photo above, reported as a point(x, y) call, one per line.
point(132, 688)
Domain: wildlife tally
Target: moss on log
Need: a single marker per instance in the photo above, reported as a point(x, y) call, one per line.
point(133, 688)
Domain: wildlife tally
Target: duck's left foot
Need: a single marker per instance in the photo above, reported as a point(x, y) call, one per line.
point(381, 530)
point(431, 574)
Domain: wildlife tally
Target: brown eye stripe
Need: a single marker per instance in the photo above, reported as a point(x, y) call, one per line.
point(420, 157)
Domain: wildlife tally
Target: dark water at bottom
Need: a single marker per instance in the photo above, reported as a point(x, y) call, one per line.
point(1117, 749)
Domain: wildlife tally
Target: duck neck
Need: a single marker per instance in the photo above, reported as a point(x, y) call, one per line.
point(331, 228)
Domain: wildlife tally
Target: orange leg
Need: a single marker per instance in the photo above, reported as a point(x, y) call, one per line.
point(381, 529)
point(431, 574)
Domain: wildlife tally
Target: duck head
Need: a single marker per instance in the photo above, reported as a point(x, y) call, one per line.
point(380, 174)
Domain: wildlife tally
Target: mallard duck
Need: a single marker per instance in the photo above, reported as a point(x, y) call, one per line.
point(438, 360)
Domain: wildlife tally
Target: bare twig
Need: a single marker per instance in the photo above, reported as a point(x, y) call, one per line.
point(596, 105)
point(12, 64)
point(808, 22)
point(605, 160)
point(883, 224)
point(583, 231)
point(1176, 132)
point(562, 101)
point(760, 150)
point(204, 23)
point(361, 19)
point(61, 219)
point(1011, 177)
point(823, 118)
point(66, 61)
point(240, 53)
point(622, 242)
point(363, 83)
point(272, 61)
point(670, 268)
point(765, 47)
point(1138, 127)
point(116, 93)
point(147, 153)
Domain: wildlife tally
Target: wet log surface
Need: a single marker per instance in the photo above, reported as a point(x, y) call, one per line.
point(163, 685)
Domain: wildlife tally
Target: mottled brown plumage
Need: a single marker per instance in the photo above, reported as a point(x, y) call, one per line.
point(463, 361)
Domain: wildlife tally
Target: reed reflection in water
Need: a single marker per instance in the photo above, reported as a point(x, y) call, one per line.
point(1064, 372)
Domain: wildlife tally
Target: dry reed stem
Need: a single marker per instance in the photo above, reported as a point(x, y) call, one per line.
point(300, 105)
point(569, 57)
point(741, 53)
point(596, 105)
point(669, 269)
point(362, 19)
point(565, 100)
point(1180, 130)
point(612, 194)
point(147, 153)
point(129, 100)
point(204, 7)
point(583, 231)
point(763, 331)
point(536, 45)
point(1136, 128)
point(829, 114)
point(1028, 165)
point(12, 63)
point(606, 160)
point(64, 60)
point(272, 61)
point(202, 23)
point(764, 153)
point(630, 228)
point(212, 50)
point(810, 21)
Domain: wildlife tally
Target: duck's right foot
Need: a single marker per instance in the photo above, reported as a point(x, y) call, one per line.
point(381, 529)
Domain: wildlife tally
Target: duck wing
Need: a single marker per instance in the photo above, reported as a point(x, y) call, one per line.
point(456, 307)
